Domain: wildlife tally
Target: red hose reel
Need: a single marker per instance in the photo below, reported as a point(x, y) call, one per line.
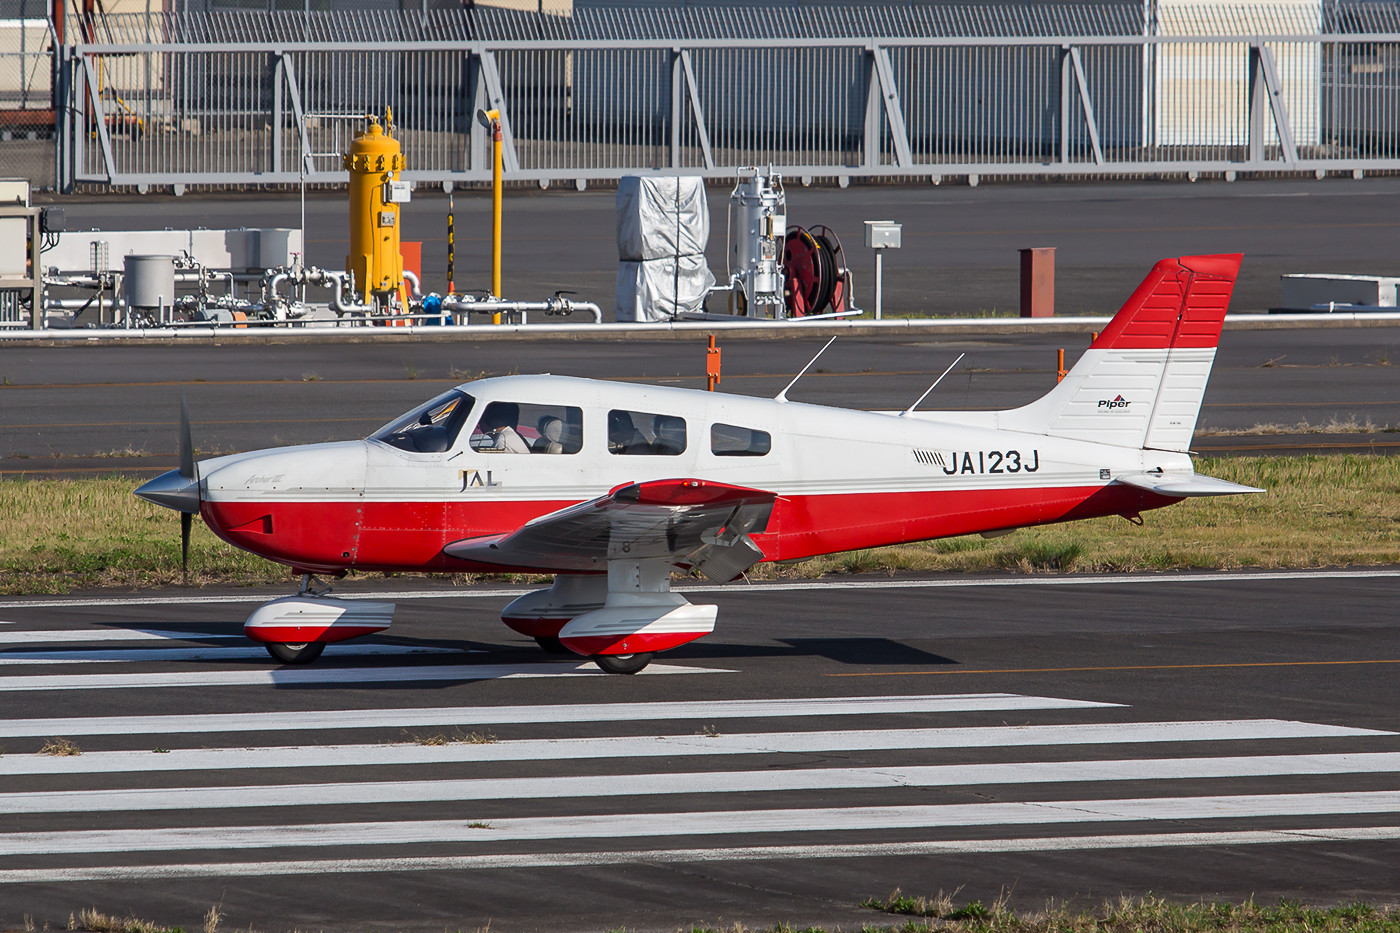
point(816, 282)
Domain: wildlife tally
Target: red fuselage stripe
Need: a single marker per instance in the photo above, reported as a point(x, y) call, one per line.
point(410, 536)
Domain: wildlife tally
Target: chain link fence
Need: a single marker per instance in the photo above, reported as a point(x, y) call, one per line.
point(271, 98)
point(26, 93)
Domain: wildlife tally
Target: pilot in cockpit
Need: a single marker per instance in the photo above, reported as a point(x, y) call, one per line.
point(496, 433)
point(623, 436)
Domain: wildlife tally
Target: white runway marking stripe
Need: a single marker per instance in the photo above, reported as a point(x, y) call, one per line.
point(775, 587)
point(61, 636)
point(207, 653)
point(708, 710)
point(653, 825)
point(322, 756)
point(459, 863)
point(285, 677)
point(702, 782)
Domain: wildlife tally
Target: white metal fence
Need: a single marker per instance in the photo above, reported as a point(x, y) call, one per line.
point(263, 99)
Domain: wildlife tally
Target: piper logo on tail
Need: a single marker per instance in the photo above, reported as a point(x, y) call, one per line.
point(1119, 402)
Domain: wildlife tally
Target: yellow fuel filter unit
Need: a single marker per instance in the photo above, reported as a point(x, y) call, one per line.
point(375, 263)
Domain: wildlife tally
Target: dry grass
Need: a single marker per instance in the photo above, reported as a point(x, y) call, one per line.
point(60, 535)
point(457, 738)
point(1137, 915)
point(1331, 426)
point(60, 748)
point(97, 922)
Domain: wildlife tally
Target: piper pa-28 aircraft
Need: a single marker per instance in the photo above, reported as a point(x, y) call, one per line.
point(614, 487)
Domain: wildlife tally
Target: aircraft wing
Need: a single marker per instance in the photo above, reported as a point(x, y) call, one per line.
point(1185, 485)
point(691, 522)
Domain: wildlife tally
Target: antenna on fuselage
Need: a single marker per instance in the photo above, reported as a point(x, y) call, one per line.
point(911, 408)
point(782, 396)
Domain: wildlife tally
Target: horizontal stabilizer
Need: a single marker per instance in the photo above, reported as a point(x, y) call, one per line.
point(1185, 485)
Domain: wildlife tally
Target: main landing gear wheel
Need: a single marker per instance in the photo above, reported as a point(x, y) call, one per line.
point(551, 644)
point(296, 654)
point(622, 663)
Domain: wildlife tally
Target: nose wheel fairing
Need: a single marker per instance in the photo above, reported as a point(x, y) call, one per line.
point(307, 618)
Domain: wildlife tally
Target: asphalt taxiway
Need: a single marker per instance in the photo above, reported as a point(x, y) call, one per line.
point(1190, 735)
point(91, 410)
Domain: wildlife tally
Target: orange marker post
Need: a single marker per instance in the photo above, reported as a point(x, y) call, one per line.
point(712, 364)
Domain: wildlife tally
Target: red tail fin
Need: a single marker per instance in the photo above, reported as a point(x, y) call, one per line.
point(1181, 303)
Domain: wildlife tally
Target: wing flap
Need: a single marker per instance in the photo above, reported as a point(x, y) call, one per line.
point(1183, 485)
point(692, 522)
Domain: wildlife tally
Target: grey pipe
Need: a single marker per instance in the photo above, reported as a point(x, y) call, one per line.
point(556, 305)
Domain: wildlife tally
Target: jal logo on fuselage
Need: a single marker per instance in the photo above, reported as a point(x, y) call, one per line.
point(1112, 403)
point(476, 478)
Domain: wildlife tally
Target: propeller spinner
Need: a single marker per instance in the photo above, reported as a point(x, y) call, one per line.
point(179, 488)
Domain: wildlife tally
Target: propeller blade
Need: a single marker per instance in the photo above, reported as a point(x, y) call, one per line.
point(186, 446)
point(186, 519)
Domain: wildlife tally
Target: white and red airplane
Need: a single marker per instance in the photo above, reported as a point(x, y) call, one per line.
point(614, 487)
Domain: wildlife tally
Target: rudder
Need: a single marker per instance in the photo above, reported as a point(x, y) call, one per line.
point(1141, 383)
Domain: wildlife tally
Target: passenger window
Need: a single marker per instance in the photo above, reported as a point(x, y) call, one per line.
point(730, 440)
point(429, 428)
point(645, 433)
point(518, 428)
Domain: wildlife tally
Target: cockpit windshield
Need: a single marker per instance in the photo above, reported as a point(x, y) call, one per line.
point(429, 428)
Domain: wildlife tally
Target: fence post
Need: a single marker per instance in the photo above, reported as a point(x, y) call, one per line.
point(873, 103)
point(278, 71)
point(1064, 103)
point(675, 118)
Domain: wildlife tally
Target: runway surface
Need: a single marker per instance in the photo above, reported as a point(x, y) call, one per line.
point(92, 410)
point(1190, 735)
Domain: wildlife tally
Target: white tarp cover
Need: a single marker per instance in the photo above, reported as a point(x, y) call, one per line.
point(661, 217)
point(658, 289)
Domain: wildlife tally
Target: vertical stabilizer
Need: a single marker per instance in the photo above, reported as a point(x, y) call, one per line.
point(1140, 384)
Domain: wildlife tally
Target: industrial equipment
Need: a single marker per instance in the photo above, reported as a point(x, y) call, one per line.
point(756, 254)
point(375, 263)
point(817, 282)
point(244, 278)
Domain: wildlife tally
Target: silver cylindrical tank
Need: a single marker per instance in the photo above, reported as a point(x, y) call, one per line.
point(762, 228)
point(148, 282)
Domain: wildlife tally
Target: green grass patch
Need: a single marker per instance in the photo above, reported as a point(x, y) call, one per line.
point(60, 535)
point(1316, 512)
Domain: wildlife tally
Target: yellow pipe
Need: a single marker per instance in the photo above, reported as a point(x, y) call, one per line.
point(495, 117)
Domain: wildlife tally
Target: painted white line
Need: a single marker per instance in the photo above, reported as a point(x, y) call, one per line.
point(458, 863)
point(1062, 580)
point(688, 856)
point(696, 823)
point(285, 677)
point(628, 746)
point(261, 796)
point(209, 653)
point(774, 587)
point(61, 636)
point(708, 710)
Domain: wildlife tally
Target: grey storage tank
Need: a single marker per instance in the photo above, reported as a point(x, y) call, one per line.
point(148, 282)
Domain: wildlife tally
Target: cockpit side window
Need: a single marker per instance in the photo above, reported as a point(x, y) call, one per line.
point(644, 432)
point(430, 428)
point(523, 428)
point(730, 440)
